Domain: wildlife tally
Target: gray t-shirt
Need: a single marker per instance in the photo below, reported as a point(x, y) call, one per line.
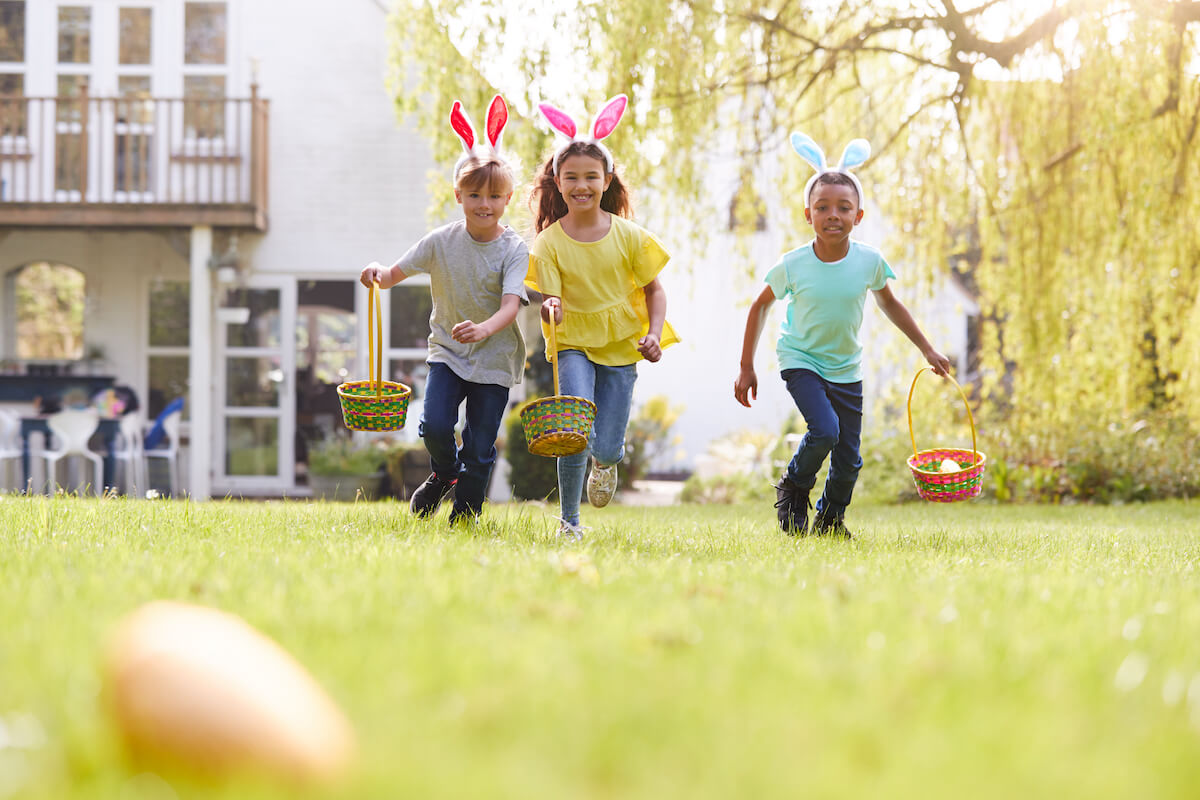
point(467, 279)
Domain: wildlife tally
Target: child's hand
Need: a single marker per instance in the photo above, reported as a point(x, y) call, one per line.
point(552, 306)
point(745, 387)
point(467, 332)
point(940, 364)
point(649, 347)
point(374, 273)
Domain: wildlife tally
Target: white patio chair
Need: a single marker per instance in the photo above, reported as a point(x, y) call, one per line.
point(71, 430)
point(170, 452)
point(130, 456)
point(10, 449)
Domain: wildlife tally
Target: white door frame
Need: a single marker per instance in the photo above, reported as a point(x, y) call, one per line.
point(284, 481)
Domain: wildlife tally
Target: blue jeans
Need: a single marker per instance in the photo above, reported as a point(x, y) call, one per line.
point(471, 464)
point(833, 412)
point(611, 389)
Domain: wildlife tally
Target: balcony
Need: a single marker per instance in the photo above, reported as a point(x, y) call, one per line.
point(116, 162)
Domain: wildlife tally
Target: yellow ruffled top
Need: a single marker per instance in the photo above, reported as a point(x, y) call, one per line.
point(601, 286)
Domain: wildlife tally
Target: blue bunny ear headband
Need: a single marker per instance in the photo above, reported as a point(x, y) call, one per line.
point(854, 155)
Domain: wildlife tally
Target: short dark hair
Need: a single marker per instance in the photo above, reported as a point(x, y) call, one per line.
point(833, 179)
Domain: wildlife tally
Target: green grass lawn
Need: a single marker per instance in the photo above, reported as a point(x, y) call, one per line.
point(971, 650)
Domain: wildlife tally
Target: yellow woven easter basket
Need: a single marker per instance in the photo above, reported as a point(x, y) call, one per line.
point(558, 425)
point(374, 404)
point(950, 485)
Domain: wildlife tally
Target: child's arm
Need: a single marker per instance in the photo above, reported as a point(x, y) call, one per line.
point(898, 313)
point(467, 331)
point(386, 277)
point(745, 387)
point(656, 310)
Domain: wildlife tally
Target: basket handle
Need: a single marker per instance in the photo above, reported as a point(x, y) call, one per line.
point(962, 394)
point(554, 350)
point(375, 341)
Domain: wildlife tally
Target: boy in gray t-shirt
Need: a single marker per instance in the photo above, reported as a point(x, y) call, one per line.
point(476, 268)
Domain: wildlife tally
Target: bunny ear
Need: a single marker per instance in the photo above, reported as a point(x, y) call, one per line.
point(558, 120)
point(809, 150)
point(462, 126)
point(855, 154)
point(609, 116)
point(497, 118)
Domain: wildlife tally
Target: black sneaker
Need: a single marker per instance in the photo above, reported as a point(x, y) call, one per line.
point(791, 505)
point(463, 513)
point(430, 494)
point(831, 524)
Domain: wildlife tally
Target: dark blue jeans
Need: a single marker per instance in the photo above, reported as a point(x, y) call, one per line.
point(833, 412)
point(472, 463)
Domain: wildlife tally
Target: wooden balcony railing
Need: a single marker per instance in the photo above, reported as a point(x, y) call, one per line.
point(133, 161)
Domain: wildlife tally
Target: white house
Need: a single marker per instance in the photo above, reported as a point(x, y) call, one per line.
point(216, 173)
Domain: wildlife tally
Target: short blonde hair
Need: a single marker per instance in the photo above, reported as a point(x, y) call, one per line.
point(491, 172)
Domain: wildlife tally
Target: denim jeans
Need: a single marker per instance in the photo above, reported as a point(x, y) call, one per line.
point(833, 412)
point(472, 463)
point(611, 389)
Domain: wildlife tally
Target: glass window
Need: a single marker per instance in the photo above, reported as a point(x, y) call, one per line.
point(262, 329)
point(411, 307)
point(412, 372)
point(74, 34)
point(49, 304)
point(252, 381)
point(204, 33)
point(12, 30)
point(167, 380)
point(135, 35)
point(326, 331)
point(251, 446)
point(69, 107)
point(170, 313)
point(204, 106)
point(12, 111)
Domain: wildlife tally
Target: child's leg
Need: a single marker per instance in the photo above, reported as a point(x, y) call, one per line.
point(444, 393)
point(485, 411)
point(845, 462)
point(576, 376)
point(807, 389)
point(614, 396)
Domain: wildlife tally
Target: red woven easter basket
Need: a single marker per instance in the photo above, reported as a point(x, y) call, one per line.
point(949, 486)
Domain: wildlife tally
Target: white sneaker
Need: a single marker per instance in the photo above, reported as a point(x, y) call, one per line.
point(602, 483)
point(570, 529)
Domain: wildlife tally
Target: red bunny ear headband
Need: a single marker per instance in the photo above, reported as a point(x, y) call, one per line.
point(497, 118)
point(605, 122)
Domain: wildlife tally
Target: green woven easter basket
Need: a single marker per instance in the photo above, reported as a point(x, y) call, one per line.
point(374, 405)
point(561, 424)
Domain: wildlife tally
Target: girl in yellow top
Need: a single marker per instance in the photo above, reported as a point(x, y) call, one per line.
point(603, 268)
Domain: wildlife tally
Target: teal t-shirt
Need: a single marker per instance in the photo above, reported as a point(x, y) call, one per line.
point(825, 308)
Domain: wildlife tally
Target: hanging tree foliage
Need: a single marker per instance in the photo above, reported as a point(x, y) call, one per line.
point(1046, 154)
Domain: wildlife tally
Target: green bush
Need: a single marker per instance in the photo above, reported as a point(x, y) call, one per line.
point(532, 477)
point(727, 489)
point(341, 455)
point(648, 437)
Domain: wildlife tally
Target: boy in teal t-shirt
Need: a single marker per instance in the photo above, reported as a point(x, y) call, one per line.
point(825, 283)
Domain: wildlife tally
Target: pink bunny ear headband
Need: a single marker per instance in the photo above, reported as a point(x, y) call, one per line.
point(854, 155)
point(497, 118)
point(605, 122)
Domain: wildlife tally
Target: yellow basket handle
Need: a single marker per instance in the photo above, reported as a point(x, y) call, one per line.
point(962, 394)
point(554, 349)
point(375, 341)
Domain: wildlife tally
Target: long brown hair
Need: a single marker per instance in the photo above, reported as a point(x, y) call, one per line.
point(547, 203)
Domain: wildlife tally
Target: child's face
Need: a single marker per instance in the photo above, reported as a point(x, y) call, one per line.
point(833, 211)
point(581, 181)
point(483, 207)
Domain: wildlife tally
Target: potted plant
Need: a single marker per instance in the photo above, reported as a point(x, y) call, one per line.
point(341, 469)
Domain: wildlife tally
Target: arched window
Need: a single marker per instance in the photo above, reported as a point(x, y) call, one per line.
point(48, 305)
